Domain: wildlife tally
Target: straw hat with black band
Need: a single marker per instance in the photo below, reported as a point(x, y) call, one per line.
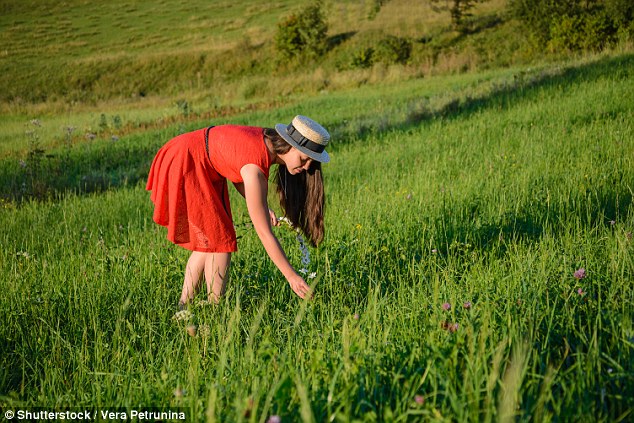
point(307, 136)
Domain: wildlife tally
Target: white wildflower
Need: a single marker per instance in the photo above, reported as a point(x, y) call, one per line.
point(286, 220)
point(182, 315)
point(204, 331)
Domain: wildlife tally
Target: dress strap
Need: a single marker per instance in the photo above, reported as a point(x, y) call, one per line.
point(207, 141)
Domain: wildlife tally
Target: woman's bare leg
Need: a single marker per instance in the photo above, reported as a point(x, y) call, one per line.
point(215, 267)
point(216, 274)
point(193, 272)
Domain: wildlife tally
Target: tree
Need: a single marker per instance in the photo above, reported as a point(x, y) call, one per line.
point(303, 33)
point(459, 10)
point(561, 25)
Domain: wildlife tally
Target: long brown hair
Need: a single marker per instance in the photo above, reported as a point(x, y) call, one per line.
point(302, 195)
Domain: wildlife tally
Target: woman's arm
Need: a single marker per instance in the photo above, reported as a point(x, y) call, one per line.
point(255, 190)
point(240, 187)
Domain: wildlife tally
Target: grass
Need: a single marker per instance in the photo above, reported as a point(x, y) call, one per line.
point(490, 188)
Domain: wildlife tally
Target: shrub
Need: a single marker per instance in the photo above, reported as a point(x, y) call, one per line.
point(393, 50)
point(303, 34)
point(459, 10)
point(362, 58)
point(575, 24)
point(621, 13)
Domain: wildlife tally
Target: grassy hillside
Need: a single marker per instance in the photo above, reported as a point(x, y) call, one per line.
point(478, 261)
point(109, 69)
point(77, 52)
point(489, 198)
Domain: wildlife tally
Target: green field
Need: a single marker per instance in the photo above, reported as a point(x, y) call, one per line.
point(460, 210)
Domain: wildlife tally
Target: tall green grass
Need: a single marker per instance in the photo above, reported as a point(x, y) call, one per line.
point(490, 197)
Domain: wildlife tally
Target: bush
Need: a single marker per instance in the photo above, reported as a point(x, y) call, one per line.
point(621, 13)
point(362, 58)
point(393, 50)
point(388, 50)
point(567, 25)
point(303, 34)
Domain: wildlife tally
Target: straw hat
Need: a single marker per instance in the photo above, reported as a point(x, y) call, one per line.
point(307, 136)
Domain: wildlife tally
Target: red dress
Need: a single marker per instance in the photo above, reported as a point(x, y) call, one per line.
point(189, 188)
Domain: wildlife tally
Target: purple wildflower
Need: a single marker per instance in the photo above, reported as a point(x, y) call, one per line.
point(446, 306)
point(419, 399)
point(580, 273)
point(467, 305)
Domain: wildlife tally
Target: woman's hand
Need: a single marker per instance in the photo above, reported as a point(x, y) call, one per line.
point(255, 189)
point(300, 287)
point(274, 221)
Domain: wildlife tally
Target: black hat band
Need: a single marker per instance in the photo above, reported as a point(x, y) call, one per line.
point(303, 141)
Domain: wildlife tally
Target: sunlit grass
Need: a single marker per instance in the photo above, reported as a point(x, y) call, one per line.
point(495, 200)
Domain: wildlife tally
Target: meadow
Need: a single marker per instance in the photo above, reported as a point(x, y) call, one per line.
point(478, 262)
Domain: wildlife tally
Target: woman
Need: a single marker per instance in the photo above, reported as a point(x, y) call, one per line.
point(188, 181)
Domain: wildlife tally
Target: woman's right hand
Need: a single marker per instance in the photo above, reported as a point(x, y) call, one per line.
point(255, 192)
point(300, 287)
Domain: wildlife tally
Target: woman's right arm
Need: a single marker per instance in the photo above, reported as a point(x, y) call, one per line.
point(255, 190)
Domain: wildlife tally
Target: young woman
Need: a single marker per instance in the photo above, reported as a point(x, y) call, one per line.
point(188, 184)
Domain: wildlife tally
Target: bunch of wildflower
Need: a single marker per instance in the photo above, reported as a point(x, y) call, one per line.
point(182, 315)
point(302, 248)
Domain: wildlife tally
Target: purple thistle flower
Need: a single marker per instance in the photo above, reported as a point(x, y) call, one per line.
point(419, 399)
point(446, 306)
point(467, 305)
point(580, 273)
point(274, 419)
point(580, 291)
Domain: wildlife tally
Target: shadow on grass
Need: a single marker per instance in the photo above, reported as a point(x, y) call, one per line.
point(524, 86)
point(107, 164)
point(605, 205)
point(472, 26)
point(337, 39)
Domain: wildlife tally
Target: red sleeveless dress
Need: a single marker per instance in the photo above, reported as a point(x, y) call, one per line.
point(189, 188)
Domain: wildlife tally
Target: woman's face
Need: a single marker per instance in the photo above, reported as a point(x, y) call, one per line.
point(295, 161)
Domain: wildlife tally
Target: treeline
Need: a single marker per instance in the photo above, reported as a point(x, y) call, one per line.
point(558, 25)
point(570, 25)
